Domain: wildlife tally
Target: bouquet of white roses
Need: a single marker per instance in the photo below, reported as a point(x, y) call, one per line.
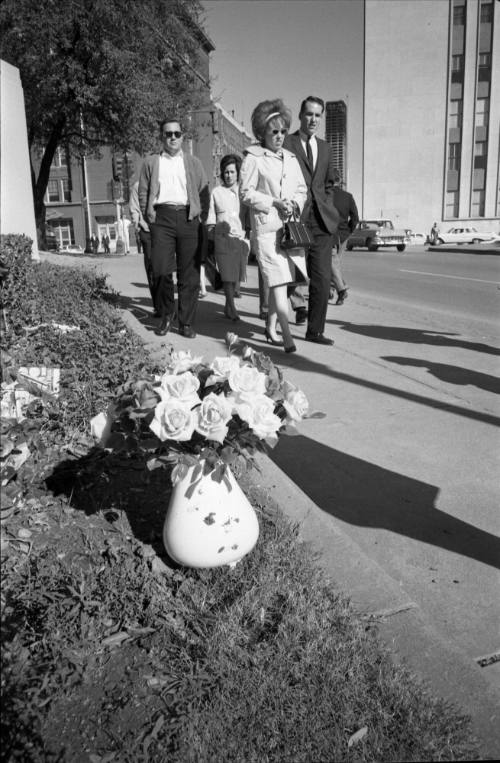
point(204, 412)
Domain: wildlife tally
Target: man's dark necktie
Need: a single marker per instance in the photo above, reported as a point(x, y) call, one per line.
point(310, 154)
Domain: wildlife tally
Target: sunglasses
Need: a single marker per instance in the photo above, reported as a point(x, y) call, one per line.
point(279, 132)
point(172, 134)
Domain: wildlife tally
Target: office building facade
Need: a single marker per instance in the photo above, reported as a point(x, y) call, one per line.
point(429, 134)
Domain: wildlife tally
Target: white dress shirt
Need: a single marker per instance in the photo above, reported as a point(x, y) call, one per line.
point(172, 179)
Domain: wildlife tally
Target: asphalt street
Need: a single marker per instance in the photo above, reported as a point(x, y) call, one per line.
point(403, 469)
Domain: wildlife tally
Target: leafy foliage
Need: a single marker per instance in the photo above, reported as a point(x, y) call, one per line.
point(98, 72)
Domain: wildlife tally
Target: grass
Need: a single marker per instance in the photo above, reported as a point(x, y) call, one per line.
point(110, 655)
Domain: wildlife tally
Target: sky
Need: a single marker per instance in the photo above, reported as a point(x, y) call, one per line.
point(287, 49)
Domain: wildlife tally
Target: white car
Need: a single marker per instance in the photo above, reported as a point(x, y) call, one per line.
point(417, 238)
point(71, 249)
point(465, 236)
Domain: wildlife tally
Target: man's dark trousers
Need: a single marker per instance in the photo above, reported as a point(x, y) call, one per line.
point(145, 240)
point(319, 266)
point(176, 244)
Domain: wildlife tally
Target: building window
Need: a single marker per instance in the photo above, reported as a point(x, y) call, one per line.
point(480, 154)
point(451, 209)
point(66, 189)
point(477, 207)
point(482, 112)
point(60, 158)
point(53, 191)
point(454, 156)
point(484, 67)
point(64, 232)
point(455, 115)
point(486, 16)
point(459, 14)
point(457, 68)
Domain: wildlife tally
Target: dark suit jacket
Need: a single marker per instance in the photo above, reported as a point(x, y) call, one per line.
point(320, 182)
point(348, 211)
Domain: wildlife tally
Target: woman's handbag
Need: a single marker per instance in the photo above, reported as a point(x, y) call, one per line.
point(295, 235)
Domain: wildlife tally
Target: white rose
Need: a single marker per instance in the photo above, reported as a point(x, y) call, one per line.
point(259, 414)
point(173, 420)
point(247, 381)
point(221, 368)
point(213, 414)
point(296, 404)
point(182, 360)
point(180, 386)
point(100, 426)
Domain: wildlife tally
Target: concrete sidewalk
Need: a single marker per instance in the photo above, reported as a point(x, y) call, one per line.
point(339, 479)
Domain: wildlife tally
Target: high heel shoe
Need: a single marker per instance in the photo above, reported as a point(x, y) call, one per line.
point(271, 339)
point(291, 348)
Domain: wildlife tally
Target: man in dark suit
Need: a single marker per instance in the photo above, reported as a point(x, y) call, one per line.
point(349, 218)
point(316, 160)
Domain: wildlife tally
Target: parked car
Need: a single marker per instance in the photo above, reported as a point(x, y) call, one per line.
point(417, 238)
point(376, 233)
point(71, 249)
point(465, 236)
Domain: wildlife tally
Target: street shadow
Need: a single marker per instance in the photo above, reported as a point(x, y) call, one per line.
point(467, 249)
point(451, 374)
point(414, 336)
point(365, 495)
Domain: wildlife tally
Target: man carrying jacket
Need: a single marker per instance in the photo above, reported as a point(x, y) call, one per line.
point(348, 211)
point(174, 200)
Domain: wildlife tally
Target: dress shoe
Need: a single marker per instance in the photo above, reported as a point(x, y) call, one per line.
point(300, 316)
point(164, 326)
point(318, 339)
point(272, 339)
point(291, 348)
point(187, 331)
point(342, 297)
point(332, 294)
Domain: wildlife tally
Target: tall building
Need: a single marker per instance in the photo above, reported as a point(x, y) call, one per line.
point(336, 133)
point(431, 113)
point(216, 133)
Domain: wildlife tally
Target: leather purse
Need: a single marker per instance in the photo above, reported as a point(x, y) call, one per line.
point(295, 235)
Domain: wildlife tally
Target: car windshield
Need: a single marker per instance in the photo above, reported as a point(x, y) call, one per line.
point(377, 224)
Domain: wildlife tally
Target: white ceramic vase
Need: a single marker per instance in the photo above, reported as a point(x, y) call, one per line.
point(209, 523)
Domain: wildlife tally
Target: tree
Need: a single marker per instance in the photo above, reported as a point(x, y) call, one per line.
point(99, 72)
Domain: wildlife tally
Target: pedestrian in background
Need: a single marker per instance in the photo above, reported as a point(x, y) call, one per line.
point(174, 200)
point(105, 243)
point(316, 161)
point(94, 242)
point(144, 237)
point(349, 218)
point(434, 234)
point(273, 187)
point(228, 225)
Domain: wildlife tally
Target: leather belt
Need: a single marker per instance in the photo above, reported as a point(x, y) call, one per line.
point(175, 207)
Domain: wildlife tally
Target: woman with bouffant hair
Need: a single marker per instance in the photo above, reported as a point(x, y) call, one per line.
point(272, 185)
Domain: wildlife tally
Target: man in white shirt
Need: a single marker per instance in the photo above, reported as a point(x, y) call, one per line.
point(174, 199)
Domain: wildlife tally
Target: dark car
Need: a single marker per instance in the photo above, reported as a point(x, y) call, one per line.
point(376, 233)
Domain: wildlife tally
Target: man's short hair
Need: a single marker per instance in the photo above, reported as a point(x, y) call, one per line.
point(172, 118)
point(312, 99)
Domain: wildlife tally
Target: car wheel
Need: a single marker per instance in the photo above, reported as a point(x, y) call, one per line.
point(476, 240)
point(371, 247)
point(401, 247)
point(439, 242)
